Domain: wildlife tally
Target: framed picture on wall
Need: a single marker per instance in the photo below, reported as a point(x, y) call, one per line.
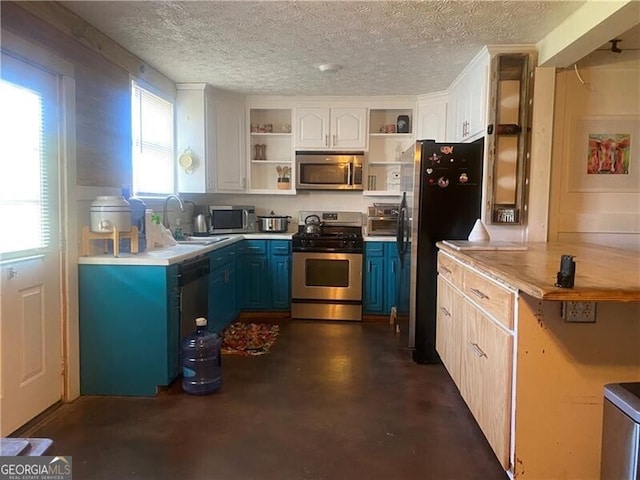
point(605, 154)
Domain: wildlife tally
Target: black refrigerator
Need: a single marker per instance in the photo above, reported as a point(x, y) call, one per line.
point(444, 205)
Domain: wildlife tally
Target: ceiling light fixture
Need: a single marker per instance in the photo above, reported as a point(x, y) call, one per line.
point(330, 67)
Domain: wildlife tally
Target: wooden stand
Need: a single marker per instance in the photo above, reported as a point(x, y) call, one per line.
point(115, 235)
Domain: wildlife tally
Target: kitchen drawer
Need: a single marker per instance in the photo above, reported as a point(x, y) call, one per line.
point(494, 299)
point(254, 247)
point(450, 269)
point(374, 249)
point(280, 247)
point(221, 257)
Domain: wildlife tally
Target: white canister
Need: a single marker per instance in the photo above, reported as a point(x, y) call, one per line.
point(108, 212)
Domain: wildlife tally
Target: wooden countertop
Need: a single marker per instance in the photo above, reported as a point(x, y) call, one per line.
point(602, 273)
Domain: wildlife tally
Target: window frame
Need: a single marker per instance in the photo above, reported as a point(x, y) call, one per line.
point(150, 89)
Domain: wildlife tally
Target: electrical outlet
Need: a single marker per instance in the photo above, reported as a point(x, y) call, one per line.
point(579, 312)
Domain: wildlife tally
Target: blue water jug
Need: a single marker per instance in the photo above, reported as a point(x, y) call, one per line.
point(201, 363)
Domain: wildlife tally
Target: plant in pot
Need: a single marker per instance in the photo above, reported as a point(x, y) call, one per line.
point(284, 177)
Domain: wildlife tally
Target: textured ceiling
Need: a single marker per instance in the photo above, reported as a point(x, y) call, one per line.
point(275, 47)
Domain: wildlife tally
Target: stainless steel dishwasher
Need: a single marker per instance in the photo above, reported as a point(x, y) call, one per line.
point(193, 282)
point(621, 432)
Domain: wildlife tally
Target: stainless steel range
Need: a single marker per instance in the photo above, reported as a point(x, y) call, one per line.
point(326, 278)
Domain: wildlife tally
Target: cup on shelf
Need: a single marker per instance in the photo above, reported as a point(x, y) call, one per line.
point(268, 128)
point(390, 128)
point(255, 128)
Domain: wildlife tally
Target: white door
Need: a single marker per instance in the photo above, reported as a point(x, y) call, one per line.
point(30, 254)
point(349, 128)
point(312, 128)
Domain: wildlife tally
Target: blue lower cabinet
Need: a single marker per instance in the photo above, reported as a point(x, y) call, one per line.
point(381, 267)
point(280, 268)
point(129, 328)
point(393, 270)
point(266, 275)
point(374, 286)
point(256, 285)
point(223, 288)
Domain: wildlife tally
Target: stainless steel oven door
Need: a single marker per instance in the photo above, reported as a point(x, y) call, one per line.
point(327, 276)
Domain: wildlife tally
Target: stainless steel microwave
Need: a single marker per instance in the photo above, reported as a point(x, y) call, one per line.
point(232, 219)
point(329, 170)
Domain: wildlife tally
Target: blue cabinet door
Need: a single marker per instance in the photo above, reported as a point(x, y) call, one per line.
point(373, 301)
point(280, 268)
point(281, 282)
point(218, 299)
point(256, 285)
point(231, 290)
point(223, 291)
point(391, 277)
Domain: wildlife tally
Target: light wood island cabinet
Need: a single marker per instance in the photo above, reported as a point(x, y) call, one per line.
point(534, 381)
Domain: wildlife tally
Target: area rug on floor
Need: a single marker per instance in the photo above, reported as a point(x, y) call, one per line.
point(249, 338)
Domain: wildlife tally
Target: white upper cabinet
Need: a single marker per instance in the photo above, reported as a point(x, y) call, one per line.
point(432, 117)
point(469, 101)
point(210, 140)
point(348, 128)
point(331, 128)
point(195, 138)
point(230, 166)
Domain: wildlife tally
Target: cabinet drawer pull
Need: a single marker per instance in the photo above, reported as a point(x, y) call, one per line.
point(326, 140)
point(479, 294)
point(445, 311)
point(477, 350)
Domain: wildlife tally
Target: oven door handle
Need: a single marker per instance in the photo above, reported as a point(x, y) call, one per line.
point(245, 219)
point(350, 174)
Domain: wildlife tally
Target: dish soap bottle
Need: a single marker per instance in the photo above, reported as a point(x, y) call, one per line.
point(178, 235)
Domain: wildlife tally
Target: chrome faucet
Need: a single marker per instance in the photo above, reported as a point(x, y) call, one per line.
point(165, 215)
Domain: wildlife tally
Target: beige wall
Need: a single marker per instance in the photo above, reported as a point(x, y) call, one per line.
point(603, 209)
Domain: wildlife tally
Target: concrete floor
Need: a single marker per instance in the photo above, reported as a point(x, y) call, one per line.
point(331, 401)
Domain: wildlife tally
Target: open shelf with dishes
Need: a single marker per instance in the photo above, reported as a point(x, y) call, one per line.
point(387, 171)
point(270, 150)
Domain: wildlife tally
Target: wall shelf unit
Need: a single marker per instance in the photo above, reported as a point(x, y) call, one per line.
point(270, 150)
point(385, 169)
point(508, 137)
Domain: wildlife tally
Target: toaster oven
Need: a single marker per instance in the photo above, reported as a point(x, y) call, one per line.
point(382, 219)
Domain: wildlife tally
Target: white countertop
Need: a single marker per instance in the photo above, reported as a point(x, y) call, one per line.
point(379, 238)
point(177, 253)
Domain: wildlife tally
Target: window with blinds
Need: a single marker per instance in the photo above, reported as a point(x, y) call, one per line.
point(24, 216)
point(152, 134)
